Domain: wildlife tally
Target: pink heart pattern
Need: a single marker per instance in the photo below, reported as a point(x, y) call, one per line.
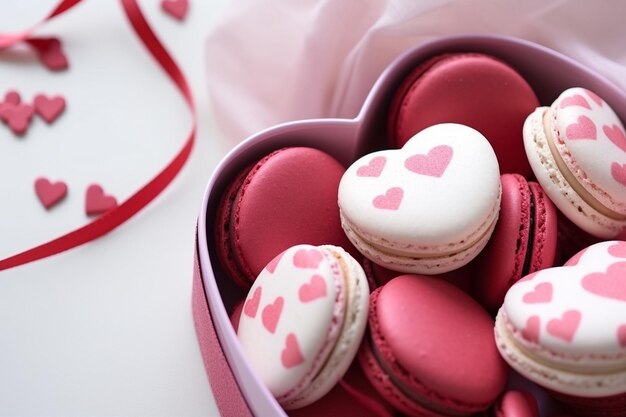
point(374, 168)
point(573, 310)
point(575, 100)
point(609, 284)
point(50, 193)
point(251, 306)
point(565, 327)
point(271, 266)
point(312, 290)
point(618, 172)
point(307, 258)
point(271, 314)
point(584, 128)
point(433, 164)
point(291, 355)
point(615, 135)
point(390, 200)
point(596, 98)
point(541, 294)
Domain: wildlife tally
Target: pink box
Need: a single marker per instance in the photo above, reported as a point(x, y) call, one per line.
point(237, 390)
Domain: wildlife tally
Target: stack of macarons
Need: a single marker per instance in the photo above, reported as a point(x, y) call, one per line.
point(441, 264)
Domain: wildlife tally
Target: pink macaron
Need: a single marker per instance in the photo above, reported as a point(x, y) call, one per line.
point(564, 328)
point(577, 150)
point(429, 349)
point(303, 321)
point(515, 403)
point(473, 89)
point(286, 198)
point(524, 241)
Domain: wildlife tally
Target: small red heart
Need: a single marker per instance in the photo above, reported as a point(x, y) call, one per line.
point(252, 304)
point(584, 128)
point(291, 355)
point(96, 202)
point(541, 294)
point(314, 289)
point(565, 327)
point(50, 52)
point(49, 108)
point(433, 164)
point(17, 116)
point(615, 135)
point(373, 169)
point(531, 331)
point(271, 314)
point(176, 8)
point(307, 258)
point(50, 193)
point(390, 200)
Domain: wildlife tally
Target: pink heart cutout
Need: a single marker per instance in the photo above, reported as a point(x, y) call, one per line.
point(373, 169)
point(621, 335)
point(390, 200)
point(595, 97)
point(531, 331)
point(585, 128)
point(609, 284)
point(271, 266)
point(17, 116)
point(541, 294)
point(50, 193)
point(271, 314)
point(252, 304)
point(615, 135)
point(314, 289)
point(575, 100)
point(175, 8)
point(291, 355)
point(433, 164)
point(50, 51)
point(307, 258)
point(618, 250)
point(12, 97)
point(49, 108)
point(565, 327)
point(97, 202)
point(618, 172)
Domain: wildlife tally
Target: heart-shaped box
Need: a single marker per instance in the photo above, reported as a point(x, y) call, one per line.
point(238, 392)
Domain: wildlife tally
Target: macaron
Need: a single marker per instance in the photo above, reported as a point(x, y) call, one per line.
point(427, 208)
point(429, 349)
point(303, 321)
point(515, 403)
point(524, 241)
point(577, 150)
point(477, 90)
point(286, 198)
point(564, 328)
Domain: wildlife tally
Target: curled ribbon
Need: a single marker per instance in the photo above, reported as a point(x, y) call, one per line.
point(142, 197)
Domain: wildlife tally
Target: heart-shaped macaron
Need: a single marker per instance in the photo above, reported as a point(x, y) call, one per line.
point(313, 310)
point(577, 150)
point(562, 327)
point(400, 208)
point(50, 193)
point(49, 108)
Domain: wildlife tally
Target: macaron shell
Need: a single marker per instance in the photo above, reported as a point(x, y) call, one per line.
point(591, 141)
point(516, 404)
point(562, 327)
point(557, 187)
point(288, 198)
point(447, 176)
point(476, 90)
point(433, 338)
point(292, 318)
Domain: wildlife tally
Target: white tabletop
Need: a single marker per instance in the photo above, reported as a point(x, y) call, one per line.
point(105, 329)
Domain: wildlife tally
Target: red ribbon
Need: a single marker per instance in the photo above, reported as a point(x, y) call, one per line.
point(115, 217)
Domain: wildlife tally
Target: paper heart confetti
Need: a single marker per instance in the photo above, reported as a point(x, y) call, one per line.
point(49, 108)
point(97, 202)
point(18, 117)
point(584, 128)
point(50, 193)
point(176, 8)
point(50, 52)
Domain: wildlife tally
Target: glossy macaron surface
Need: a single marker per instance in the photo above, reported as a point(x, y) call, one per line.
point(473, 89)
point(430, 339)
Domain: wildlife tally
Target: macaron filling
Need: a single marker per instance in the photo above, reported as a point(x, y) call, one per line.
point(594, 203)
